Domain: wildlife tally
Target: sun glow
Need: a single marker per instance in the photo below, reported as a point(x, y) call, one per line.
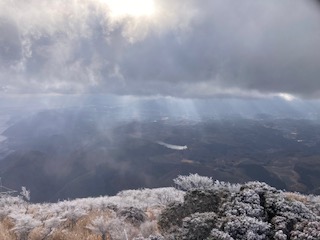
point(134, 8)
point(286, 96)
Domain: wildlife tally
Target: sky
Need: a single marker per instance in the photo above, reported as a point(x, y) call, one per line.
point(176, 48)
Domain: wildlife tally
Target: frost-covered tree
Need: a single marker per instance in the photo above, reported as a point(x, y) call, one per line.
point(193, 181)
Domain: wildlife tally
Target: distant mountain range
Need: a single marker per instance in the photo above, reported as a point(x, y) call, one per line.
point(70, 152)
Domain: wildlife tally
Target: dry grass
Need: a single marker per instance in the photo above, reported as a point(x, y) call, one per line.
point(153, 213)
point(80, 231)
point(61, 235)
point(5, 233)
point(68, 220)
point(296, 196)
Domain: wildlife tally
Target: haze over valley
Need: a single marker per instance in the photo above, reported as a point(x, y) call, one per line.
point(66, 150)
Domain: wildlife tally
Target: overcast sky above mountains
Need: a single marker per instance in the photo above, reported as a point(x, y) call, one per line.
point(180, 48)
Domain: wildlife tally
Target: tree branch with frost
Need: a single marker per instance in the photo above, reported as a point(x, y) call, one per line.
point(25, 196)
point(25, 193)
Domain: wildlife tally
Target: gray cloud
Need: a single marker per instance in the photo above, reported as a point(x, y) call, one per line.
point(188, 48)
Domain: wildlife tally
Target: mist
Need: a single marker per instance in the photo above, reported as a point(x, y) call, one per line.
point(88, 145)
point(97, 96)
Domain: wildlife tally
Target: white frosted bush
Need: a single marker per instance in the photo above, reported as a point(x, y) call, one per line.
point(232, 188)
point(306, 230)
point(193, 181)
point(51, 224)
point(279, 235)
point(100, 226)
point(219, 235)
point(148, 228)
point(74, 213)
point(245, 228)
point(23, 225)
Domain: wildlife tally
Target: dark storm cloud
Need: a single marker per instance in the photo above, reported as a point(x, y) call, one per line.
point(188, 48)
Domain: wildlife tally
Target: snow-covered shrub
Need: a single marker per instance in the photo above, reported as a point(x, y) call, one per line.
point(250, 211)
point(198, 226)
point(156, 237)
point(100, 226)
point(73, 213)
point(112, 228)
point(152, 237)
point(313, 203)
point(8, 201)
point(4, 212)
point(148, 228)
point(167, 196)
point(223, 211)
point(246, 228)
point(279, 235)
point(193, 181)
point(117, 229)
point(231, 187)
point(306, 231)
point(195, 201)
point(245, 203)
point(279, 223)
point(210, 200)
point(149, 197)
point(171, 217)
point(23, 225)
point(132, 215)
point(219, 235)
point(51, 224)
